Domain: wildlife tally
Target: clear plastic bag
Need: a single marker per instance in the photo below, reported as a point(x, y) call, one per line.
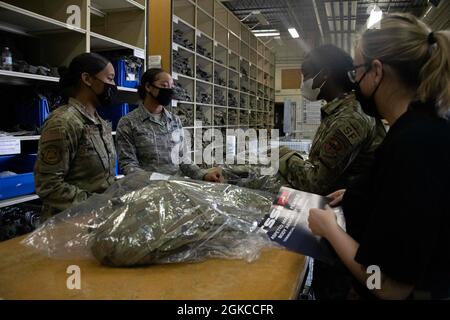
point(139, 221)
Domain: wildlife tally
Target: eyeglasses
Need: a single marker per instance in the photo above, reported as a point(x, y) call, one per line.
point(352, 73)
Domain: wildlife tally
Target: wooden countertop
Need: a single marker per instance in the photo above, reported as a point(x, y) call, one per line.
point(26, 274)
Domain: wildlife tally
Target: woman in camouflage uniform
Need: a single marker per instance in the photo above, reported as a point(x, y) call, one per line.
point(76, 156)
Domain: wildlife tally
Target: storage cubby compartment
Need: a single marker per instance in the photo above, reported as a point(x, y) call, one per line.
point(267, 105)
point(184, 88)
point(183, 34)
point(266, 92)
point(260, 104)
point(112, 114)
point(233, 61)
point(260, 90)
point(234, 25)
point(245, 34)
point(186, 113)
point(233, 99)
point(221, 35)
point(52, 9)
point(261, 48)
point(253, 87)
point(244, 68)
point(266, 66)
point(260, 62)
point(220, 96)
point(204, 114)
point(253, 121)
point(204, 69)
point(234, 44)
point(189, 137)
point(207, 5)
point(253, 104)
point(220, 54)
point(220, 75)
point(243, 118)
point(20, 180)
point(204, 46)
point(221, 14)
point(233, 117)
point(203, 93)
point(30, 110)
point(233, 80)
point(267, 53)
point(245, 51)
point(261, 118)
point(253, 42)
point(126, 25)
point(253, 71)
point(182, 61)
point(245, 84)
point(205, 23)
point(185, 10)
point(244, 101)
point(260, 77)
point(44, 52)
point(220, 117)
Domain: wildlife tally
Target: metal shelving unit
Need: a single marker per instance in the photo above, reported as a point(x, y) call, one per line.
point(241, 61)
point(105, 25)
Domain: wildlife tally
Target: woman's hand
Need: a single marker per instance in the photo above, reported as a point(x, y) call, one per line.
point(336, 197)
point(321, 222)
point(214, 175)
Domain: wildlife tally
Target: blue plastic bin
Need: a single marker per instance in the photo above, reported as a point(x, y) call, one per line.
point(122, 78)
point(33, 113)
point(113, 113)
point(22, 183)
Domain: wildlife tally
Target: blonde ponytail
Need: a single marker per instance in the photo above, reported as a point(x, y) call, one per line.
point(435, 74)
point(421, 61)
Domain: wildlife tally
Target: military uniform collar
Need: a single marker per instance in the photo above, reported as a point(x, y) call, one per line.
point(81, 109)
point(144, 114)
point(332, 106)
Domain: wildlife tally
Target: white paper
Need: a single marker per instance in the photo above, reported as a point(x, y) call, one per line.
point(9, 146)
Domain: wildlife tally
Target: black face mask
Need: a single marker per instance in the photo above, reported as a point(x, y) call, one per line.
point(164, 96)
point(108, 94)
point(368, 104)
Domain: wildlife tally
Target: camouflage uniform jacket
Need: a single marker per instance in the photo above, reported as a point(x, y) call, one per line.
point(146, 143)
point(342, 149)
point(76, 158)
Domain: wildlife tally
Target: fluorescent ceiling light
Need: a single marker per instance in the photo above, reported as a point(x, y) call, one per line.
point(267, 34)
point(354, 4)
point(294, 33)
point(328, 9)
point(264, 30)
point(345, 5)
point(336, 9)
point(375, 16)
point(331, 25)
